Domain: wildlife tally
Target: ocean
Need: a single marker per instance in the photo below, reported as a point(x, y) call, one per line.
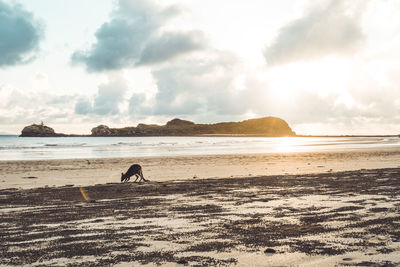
point(13, 147)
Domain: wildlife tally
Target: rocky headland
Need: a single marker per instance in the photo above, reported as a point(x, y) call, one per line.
point(267, 126)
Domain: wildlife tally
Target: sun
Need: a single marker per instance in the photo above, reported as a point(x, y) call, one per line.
point(329, 75)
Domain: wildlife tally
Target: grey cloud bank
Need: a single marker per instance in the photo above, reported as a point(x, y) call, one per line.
point(83, 106)
point(333, 28)
point(20, 35)
point(171, 44)
point(133, 36)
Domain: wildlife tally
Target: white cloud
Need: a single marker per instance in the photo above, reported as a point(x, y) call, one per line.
point(40, 80)
point(107, 100)
point(331, 28)
point(110, 95)
point(26, 107)
point(336, 63)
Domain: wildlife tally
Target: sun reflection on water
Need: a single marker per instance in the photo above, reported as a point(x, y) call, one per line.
point(290, 144)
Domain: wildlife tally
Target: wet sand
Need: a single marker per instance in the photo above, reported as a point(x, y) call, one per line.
point(347, 218)
point(310, 209)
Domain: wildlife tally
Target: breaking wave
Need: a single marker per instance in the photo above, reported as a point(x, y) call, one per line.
point(30, 148)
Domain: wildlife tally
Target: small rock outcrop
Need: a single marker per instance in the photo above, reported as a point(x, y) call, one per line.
point(101, 130)
point(179, 123)
point(39, 130)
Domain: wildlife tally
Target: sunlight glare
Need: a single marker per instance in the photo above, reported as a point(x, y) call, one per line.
point(321, 77)
point(288, 144)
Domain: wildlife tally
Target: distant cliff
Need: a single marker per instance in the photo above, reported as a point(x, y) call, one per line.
point(268, 126)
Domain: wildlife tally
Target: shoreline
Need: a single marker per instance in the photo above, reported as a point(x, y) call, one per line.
point(388, 149)
point(84, 172)
point(213, 135)
point(338, 218)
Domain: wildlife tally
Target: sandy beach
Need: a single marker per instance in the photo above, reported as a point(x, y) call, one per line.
point(310, 209)
point(267, 133)
point(86, 172)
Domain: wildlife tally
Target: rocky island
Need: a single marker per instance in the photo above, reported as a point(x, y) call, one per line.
point(39, 130)
point(267, 126)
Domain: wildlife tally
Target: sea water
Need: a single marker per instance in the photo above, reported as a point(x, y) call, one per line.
point(13, 147)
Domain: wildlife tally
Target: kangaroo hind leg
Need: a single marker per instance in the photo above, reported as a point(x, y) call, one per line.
point(142, 177)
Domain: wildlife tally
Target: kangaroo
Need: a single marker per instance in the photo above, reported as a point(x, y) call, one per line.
point(136, 170)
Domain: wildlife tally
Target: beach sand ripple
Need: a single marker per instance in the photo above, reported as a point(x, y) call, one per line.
point(339, 218)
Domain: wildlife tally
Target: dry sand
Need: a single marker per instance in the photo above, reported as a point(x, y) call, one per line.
point(86, 172)
point(346, 218)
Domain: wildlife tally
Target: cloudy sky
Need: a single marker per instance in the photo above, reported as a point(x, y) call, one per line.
point(326, 66)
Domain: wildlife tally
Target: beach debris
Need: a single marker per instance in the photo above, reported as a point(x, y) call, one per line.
point(84, 194)
point(88, 162)
point(269, 251)
point(195, 176)
point(182, 261)
point(29, 177)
